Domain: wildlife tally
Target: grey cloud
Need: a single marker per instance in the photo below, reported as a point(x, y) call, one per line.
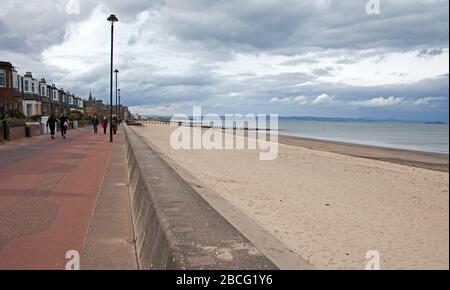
point(33, 26)
point(326, 71)
point(128, 9)
point(286, 27)
point(284, 78)
point(263, 90)
point(435, 86)
point(429, 52)
point(299, 61)
point(212, 32)
point(292, 27)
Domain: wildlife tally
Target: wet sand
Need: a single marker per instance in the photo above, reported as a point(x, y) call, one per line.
point(331, 208)
point(427, 160)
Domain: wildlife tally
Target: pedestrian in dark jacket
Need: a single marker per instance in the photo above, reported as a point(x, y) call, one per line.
point(114, 125)
point(95, 123)
point(104, 124)
point(64, 123)
point(51, 123)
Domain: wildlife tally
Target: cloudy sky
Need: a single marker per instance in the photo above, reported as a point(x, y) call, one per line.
point(327, 58)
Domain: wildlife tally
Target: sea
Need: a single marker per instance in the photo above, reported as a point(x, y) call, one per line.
point(428, 137)
point(419, 136)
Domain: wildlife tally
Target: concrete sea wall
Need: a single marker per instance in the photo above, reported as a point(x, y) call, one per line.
point(175, 228)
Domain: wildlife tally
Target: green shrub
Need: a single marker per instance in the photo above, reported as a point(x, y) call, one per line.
point(35, 118)
point(16, 114)
point(76, 115)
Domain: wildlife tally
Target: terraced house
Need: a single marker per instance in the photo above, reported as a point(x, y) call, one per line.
point(32, 96)
point(10, 98)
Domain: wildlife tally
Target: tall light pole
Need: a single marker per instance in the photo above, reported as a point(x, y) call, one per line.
point(117, 108)
point(111, 19)
point(120, 109)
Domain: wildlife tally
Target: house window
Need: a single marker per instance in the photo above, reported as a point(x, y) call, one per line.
point(15, 84)
point(2, 78)
point(32, 87)
point(29, 110)
point(27, 86)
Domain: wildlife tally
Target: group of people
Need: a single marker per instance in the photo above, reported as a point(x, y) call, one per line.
point(104, 123)
point(63, 123)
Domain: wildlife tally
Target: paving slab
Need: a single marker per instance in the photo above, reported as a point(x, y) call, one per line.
point(48, 191)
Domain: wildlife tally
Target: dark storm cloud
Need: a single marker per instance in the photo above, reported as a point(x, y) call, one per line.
point(287, 27)
point(292, 27)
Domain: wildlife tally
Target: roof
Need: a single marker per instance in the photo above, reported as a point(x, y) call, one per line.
point(4, 63)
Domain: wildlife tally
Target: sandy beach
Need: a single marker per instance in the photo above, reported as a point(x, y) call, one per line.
point(329, 207)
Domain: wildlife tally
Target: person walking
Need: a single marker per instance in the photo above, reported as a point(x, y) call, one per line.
point(51, 123)
point(64, 123)
point(95, 123)
point(114, 125)
point(104, 124)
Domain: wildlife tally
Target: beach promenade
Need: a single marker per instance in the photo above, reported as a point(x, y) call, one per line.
point(56, 197)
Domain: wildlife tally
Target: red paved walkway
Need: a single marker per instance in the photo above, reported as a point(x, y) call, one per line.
point(48, 190)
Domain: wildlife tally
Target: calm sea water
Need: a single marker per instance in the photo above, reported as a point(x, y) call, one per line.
point(415, 136)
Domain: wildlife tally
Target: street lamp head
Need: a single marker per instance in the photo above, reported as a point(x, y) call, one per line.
point(112, 18)
point(116, 71)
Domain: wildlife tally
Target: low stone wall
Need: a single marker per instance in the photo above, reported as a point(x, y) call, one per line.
point(35, 129)
point(15, 129)
point(175, 227)
point(11, 130)
point(16, 133)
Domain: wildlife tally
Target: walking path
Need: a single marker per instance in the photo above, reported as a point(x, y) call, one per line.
point(109, 243)
point(48, 193)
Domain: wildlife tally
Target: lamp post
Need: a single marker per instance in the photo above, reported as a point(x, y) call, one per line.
point(111, 19)
point(117, 108)
point(120, 110)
